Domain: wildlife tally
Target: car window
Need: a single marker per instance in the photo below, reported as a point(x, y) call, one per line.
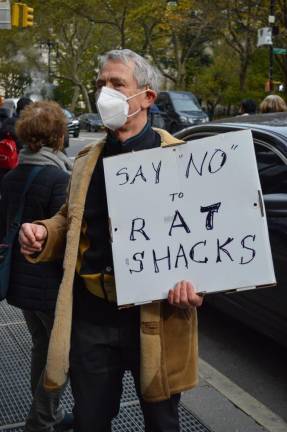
point(272, 168)
point(185, 102)
point(68, 114)
point(162, 102)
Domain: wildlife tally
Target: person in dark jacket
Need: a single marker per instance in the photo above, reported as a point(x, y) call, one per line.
point(34, 288)
point(247, 107)
point(4, 115)
point(8, 126)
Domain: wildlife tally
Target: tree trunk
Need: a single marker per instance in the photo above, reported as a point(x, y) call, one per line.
point(243, 73)
point(86, 98)
point(75, 98)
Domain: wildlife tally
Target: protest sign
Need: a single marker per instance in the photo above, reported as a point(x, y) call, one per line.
point(188, 212)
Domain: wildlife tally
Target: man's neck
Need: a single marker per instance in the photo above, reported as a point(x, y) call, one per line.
point(129, 131)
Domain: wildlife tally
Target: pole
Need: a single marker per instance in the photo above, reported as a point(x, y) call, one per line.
point(272, 7)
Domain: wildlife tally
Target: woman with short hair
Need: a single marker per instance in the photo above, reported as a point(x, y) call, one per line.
point(34, 287)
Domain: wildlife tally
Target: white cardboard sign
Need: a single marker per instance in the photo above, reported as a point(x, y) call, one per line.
point(188, 212)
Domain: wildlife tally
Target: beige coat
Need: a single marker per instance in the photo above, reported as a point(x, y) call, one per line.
point(169, 351)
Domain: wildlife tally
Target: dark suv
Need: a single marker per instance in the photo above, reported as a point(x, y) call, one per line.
point(181, 108)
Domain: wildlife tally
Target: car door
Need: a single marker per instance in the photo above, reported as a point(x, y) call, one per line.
point(165, 106)
point(272, 168)
point(263, 309)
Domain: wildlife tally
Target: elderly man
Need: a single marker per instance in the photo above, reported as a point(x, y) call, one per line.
point(157, 342)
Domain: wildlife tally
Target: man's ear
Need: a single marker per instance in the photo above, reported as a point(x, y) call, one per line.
point(150, 97)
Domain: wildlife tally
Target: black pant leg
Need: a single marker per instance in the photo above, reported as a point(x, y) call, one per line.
point(96, 376)
point(158, 416)
point(39, 325)
point(162, 416)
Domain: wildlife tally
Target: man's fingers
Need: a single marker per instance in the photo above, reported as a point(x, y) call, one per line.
point(31, 238)
point(40, 233)
point(28, 251)
point(183, 295)
point(176, 293)
point(26, 234)
point(193, 298)
point(190, 292)
point(171, 296)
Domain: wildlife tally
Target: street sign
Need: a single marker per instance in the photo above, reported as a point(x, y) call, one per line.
point(5, 15)
point(279, 51)
point(193, 212)
point(264, 36)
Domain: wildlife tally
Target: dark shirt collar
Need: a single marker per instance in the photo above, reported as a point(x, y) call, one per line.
point(147, 138)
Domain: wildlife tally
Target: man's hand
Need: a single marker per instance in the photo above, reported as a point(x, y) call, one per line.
point(183, 295)
point(32, 238)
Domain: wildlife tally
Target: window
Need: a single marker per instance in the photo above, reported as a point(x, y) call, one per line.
point(272, 168)
point(185, 102)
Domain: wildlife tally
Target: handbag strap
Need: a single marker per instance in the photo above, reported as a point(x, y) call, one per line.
point(34, 172)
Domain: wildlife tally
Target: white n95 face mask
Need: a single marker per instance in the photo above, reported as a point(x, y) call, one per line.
point(113, 107)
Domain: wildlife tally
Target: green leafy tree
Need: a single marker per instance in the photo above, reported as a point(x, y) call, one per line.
point(237, 23)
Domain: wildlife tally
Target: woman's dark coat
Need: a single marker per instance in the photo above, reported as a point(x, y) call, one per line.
point(32, 286)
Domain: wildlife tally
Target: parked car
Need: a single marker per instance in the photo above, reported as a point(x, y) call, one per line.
point(11, 105)
point(91, 122)
point(264, 309)
point(157, 117)
point(73, 124)
point(182, 109)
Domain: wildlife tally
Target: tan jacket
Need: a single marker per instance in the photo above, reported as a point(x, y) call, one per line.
point(169, 351)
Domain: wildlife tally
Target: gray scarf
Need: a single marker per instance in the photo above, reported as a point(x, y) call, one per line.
point(45, 156)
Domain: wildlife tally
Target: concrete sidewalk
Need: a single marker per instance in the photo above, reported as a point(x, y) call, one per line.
point(225, 407)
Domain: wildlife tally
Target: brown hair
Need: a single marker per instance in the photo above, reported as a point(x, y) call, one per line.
point(42, 124)
point(273, 103)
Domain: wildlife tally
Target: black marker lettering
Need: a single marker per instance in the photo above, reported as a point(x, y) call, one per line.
point(253, 253)
point(191, 161)
point(124, 174)
point(155, 260)
point(221, 248)
point(211, 209)
point(218, 163)
point(139, 174)
point(181, 224)
point(191, 253)
point(157, 172)
point(139, 260)
point(172, 196)
point(181, 254)
point(139, 229)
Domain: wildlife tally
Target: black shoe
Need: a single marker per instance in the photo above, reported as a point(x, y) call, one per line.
point(66, 424)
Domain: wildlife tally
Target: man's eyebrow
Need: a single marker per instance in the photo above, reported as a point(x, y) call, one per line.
point(117, 80)
point(113, 80)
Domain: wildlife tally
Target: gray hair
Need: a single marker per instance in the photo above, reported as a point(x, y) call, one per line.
point(144, 73)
